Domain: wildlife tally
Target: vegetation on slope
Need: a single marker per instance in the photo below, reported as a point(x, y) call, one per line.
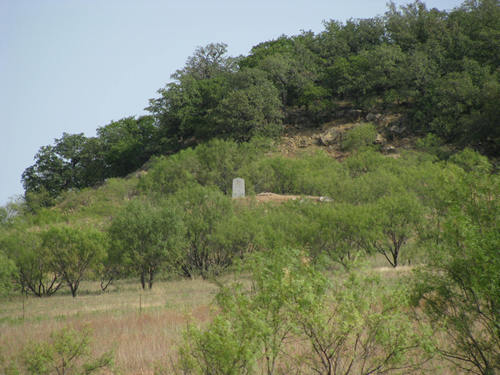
point(434, 207)
point(439, 69)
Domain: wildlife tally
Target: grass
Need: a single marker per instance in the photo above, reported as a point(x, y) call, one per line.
point(143, 327)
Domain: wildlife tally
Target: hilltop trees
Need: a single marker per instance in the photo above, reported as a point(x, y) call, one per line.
point(438, 69)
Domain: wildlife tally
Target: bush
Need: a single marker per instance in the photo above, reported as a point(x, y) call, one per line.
point(7, 275)
point(67, 352)
point(359, 136)
point(356, 325)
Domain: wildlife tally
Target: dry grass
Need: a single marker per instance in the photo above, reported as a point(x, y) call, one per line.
point(143, 328)
point(141, 336)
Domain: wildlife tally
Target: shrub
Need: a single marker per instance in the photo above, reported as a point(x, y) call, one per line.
point(67, 352)
point(355, 325)
point(359, 136)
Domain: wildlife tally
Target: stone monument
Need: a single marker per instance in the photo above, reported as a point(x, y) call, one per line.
point(238, 188)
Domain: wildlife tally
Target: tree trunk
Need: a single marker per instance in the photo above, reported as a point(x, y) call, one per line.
point(143, 280)
point(151, 276)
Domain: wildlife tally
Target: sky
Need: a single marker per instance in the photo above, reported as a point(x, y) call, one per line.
point(75, 65)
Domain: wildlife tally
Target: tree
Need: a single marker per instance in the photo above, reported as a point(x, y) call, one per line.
point(147, 237)
point(35, 274)
point(8, 272)
point(72, 252)
point(339, 232)
point(204, 208)
point(353, 325)
point(251, 108)
point(254, 324)
point(361, 327)
point(459, 287)
point(127, 144)
point(206, 62)
point(395, 219)
point(184, 110)
point(74, 161)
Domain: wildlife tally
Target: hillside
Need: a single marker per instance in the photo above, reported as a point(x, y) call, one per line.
point(372, 143)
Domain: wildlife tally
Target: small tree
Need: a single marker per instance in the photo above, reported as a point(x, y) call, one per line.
point(146, 237)
point(204, 209)
point(395, 219)
point(254, 324)
point(355, 326)
point(34, 272)
point(66, 353)
point(460, 290)
point(72, 252)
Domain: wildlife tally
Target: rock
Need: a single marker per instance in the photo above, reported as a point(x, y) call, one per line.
point(330, 137)
point(379, 140)
point(303, 142)
point(370, 117)
point(397, 129)
point(390, 149)
point(325, 199)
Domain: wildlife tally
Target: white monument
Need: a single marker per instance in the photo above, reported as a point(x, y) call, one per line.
point(238, 188)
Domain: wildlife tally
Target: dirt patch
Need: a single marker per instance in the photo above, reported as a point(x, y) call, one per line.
point(279, 198)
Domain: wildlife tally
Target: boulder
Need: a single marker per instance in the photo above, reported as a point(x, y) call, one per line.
point(330, 137)
point(379, 140)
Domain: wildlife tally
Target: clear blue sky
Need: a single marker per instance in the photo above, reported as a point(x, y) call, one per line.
point(75, 65)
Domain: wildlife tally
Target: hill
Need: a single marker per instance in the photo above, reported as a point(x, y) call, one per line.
point(381, 125)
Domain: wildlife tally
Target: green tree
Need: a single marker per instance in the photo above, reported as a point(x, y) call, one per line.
point(460, 288)
point(35, 274)
point(354, 325)
point(146, 237)
point(251, 108)
point(339, 232)
point(127, 144)
point(255, 323)
point(72, 252)
point(8, 275)
point(204, 209)
point(395, 219)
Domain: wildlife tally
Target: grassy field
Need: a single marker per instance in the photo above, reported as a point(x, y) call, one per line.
point(143, 327)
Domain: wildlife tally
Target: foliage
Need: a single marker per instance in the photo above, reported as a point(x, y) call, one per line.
point(438, 69)
point(7, 274)
point(204, 209)
point(214, 163)
point(459, 286)
point(359, 136)
point(395, 219)
point(34, 272)
point(146, 237)
point(72, 252)
point(67, 352)
point(357, 326)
